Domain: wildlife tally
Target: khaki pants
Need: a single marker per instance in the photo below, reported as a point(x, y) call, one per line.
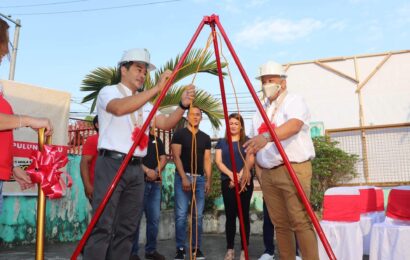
point(287, 211)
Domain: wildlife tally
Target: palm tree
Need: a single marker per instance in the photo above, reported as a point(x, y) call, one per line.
point(101, 77)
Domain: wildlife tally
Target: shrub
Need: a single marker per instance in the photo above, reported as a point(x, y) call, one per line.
point(215, 190)
point(331, 166)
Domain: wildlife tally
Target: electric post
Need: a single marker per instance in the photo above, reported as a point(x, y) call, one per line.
point(13, 58)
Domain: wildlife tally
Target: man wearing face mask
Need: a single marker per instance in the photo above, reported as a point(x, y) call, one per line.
point(290, 116)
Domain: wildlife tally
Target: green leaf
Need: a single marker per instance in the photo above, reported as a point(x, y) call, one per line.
point(197, 61)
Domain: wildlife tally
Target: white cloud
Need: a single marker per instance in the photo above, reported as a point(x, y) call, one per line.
point(374, 32)
point(361, 2)
point(278, 30)
point(255, 3)
point(336, 25)
point(231, 6)
point(403, 14)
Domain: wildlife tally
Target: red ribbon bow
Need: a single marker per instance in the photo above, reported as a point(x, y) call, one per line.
point(44, 170)
point(143, 141)
point(264, 128)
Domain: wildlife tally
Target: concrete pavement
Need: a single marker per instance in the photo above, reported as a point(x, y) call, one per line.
point(214, 248)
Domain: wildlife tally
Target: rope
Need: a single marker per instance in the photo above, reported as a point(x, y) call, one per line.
point(245, 165)
point(194, 155)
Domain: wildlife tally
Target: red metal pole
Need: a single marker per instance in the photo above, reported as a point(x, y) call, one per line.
point(229, 136)
point(292, 173)
point(124, 164)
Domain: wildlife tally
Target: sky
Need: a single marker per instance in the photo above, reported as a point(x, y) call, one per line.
point(61, 41)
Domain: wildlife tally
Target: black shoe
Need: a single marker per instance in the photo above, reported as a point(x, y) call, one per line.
point(134, 257)
point(154, 255)
point(180, 255)
point(197, 254)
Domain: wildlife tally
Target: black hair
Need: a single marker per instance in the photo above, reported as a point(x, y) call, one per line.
point(95, 122)
point(4, 38)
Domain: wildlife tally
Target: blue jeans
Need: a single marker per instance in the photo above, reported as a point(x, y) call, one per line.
point(268, 230)
point(152, 209)
point(1, 197)
point(182, 202)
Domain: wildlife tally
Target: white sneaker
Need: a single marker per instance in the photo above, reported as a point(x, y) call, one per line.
point(298, 258)
point(267, 257)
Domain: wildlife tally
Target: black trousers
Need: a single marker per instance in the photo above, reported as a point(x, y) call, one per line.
point(231, 211)
point(113, 234)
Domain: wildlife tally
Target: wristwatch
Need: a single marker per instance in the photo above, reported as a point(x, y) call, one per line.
point(266, 135)
point(182, 106)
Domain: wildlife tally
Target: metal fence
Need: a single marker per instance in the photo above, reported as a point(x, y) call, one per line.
point(383, 150)
point(80, 130)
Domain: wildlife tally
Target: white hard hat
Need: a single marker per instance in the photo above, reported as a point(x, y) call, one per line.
point(271, 68)
point(138, 55)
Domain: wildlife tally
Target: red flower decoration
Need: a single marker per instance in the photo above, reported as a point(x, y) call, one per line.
point(263, 128)
point(143, 143)
point(45, 171)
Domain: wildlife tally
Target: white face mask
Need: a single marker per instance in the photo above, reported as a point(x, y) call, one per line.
point(270, 89)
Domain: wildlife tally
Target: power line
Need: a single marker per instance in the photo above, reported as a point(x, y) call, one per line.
point(44, 4)
point(100, 9)
point(237, 93)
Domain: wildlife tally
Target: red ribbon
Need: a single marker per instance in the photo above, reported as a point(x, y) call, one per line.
point(264, 128)
point(45, 170)
point(143, 141)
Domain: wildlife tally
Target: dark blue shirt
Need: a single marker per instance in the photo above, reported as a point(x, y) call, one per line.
point(226, 158)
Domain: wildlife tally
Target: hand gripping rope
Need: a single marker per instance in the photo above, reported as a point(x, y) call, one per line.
point(212, 21)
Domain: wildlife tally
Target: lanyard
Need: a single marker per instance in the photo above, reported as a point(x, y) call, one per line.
point(278, 102)
point(136, 123)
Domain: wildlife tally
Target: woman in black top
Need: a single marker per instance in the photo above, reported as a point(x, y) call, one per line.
point(244, 163)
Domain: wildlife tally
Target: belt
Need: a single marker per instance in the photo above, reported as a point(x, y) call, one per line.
point(282, 164)
point(189, 174)
point(135, 160)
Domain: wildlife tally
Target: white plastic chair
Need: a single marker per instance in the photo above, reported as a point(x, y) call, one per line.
point(341, 216)
point(370, 212)
point(390, 239)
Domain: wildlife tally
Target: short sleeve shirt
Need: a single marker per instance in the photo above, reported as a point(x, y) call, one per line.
point(239, 155)
point(150, 160)
point(203, 142)
point(299, 147)
point(115, 132)
point(90, 148)
point(6, 144)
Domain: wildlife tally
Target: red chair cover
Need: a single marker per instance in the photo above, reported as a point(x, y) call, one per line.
point(379, 200)
point(341, 208)
point(368, 200)
point(398, 206)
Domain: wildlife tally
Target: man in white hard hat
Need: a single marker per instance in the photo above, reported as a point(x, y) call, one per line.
point(122, 110)
point(290, 116)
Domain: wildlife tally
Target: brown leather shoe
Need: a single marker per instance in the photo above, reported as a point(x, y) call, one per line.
point(134, 257)
point(154, 255)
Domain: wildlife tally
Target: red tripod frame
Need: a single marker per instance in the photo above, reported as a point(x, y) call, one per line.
point(212, 21)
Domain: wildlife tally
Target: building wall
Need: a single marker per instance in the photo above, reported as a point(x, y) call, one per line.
point(67, 218)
